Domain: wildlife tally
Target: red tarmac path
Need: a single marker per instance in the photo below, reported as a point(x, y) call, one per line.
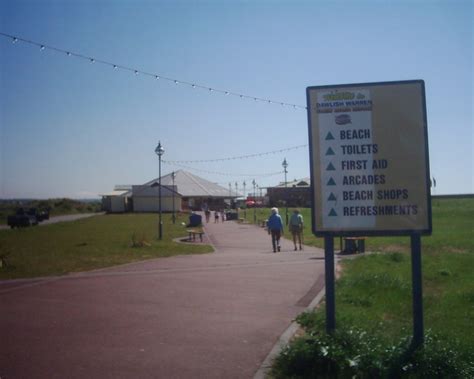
point(205, 316)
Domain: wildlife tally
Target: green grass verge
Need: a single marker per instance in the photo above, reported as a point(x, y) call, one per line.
point(91, 243)
point(374, 292)
point(374, 296)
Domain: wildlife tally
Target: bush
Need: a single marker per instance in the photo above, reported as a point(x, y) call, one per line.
point(139, 241)
point(351, 353)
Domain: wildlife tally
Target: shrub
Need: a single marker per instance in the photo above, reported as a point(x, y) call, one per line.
point(139, 242)
point(352, 353)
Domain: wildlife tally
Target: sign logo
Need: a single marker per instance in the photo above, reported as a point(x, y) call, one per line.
point(343, 119)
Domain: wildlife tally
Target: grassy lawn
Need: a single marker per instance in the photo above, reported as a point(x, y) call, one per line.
point(373, 293)
point(90, 243)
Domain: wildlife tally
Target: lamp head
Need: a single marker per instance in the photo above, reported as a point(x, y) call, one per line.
point(159, 150)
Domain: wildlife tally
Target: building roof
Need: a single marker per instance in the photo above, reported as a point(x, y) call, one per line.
point(123, 187)
point(304, 182)
point(189, 185)
point(153, 191)
point(114, 193)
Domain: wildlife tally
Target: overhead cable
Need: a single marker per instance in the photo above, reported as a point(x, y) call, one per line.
point(155, 76)
point(238, 157)
point(224, 173)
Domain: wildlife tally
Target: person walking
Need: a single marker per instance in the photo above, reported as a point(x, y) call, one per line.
point(275, 228)
point(296, 227)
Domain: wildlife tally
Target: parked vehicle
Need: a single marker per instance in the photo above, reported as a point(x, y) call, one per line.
point(21, 219)
point(40, 215)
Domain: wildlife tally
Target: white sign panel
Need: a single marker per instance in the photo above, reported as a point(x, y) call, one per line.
point(369, 159)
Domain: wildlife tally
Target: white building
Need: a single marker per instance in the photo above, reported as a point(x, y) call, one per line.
point(145, 198)
point(190, 192)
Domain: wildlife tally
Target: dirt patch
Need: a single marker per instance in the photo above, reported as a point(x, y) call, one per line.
point(339, 269)
point(395, 249)
point(188, 241)
point(455, 250)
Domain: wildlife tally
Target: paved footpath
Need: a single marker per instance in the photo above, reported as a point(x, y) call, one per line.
point(205, 316)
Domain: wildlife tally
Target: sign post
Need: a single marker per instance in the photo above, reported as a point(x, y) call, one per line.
point(330, 284)
point(418, 334)
point(370, 170)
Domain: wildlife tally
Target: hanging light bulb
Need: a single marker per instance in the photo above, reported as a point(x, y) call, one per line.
point(115, 66)
point(42, 47)
point(14, 40)
point(157, 77)
point(194, 86)
point(210, 90)
point(68, 54)
point(136, 72)
point(92, 60)
point(226, 92)
point(176, 82)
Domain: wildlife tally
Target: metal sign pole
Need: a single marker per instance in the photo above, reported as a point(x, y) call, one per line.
point(418, 332)
point(330, 285)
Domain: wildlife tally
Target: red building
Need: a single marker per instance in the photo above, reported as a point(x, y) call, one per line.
point(296, 193)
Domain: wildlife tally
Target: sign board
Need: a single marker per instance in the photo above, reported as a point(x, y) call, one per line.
point(369, 159)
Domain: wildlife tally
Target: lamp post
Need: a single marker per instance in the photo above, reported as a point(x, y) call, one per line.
point(285, 166)
point(159, 151)
point(245, 196)
point(236, 195)
point(173, 176)
point(254, 203)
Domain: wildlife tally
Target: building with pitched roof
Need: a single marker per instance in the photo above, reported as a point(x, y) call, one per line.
point(186, 192)
point(196, 192)
point(296, 193)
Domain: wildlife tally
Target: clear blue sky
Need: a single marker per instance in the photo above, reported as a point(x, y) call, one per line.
point(72, 128)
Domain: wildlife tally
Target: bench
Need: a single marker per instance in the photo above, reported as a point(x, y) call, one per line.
point(354, 245)
point(192, 234)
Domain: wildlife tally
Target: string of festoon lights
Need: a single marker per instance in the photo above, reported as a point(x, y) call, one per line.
point(264, 175)
point(154, 76)
point(238, 157)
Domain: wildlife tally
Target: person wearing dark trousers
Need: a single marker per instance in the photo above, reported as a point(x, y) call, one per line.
point(275, 228)
point(296, 227)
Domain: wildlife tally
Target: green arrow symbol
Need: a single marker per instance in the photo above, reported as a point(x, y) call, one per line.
point(329, 137)
point(330, 151)
point(330, 167)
